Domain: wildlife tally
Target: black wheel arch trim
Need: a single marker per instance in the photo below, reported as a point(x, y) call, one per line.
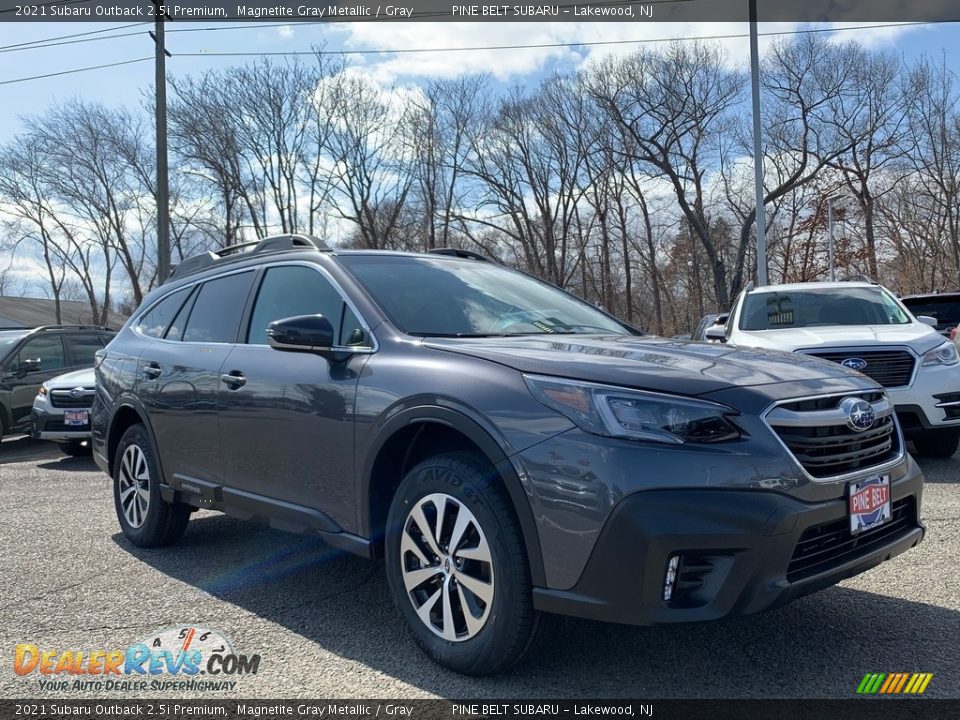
point(444, 411)
point(131, 402)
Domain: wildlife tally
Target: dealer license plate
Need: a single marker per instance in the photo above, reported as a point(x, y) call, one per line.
point(76, 417)
point(869, 503)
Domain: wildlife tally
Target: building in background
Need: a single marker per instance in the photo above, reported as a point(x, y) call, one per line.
point(18, 312)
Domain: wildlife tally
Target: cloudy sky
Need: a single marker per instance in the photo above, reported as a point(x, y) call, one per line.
point(127, 84)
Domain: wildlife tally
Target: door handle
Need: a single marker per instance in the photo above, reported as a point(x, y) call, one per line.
point(234, 379)
point(152, 370)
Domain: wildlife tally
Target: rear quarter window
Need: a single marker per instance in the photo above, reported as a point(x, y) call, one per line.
point(156, 320)
point(215, 317)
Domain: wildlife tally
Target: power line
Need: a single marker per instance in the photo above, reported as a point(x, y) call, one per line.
point(71, 42)
point(72, 35)
point(544, 45)
point(467, 49)
point(75, 70)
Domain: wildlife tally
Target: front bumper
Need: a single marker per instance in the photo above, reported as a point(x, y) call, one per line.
point(739, 548)
point(46, 425)
point(921, 405)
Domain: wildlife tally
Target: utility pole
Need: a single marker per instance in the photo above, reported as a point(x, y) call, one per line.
point(163, 188)
point(830, 241)
point(830, 236)
point(757, 151)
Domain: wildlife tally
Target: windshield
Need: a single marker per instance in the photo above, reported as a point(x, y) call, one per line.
point(469, 298)
point(821, 307)
point(8, 338)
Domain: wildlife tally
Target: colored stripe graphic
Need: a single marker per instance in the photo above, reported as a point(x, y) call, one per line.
point(903, 681)
point(870, 683)
point(891, 682)
point(894, 683)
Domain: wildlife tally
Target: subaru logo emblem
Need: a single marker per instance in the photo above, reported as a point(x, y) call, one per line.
point(76, 392)
point(854, 363)
point(860, 414)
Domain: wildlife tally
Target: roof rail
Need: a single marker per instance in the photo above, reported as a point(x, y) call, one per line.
point(43, 328)
point(459, 252)
point(860, 277)
point(273, 243)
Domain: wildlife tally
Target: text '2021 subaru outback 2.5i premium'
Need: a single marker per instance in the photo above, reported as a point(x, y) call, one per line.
point(510, 450)
point(861, 325)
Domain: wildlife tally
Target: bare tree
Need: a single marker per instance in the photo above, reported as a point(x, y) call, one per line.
point(670, 107)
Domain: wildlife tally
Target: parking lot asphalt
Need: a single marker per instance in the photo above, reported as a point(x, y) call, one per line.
point(325, 626)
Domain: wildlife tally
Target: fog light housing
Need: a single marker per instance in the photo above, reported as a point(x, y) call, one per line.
point(670, 578)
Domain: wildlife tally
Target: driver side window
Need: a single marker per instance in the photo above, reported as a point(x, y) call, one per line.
point(288, 291)
point(48, 350)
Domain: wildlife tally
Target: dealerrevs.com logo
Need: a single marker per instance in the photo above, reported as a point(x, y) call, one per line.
point(186, 658)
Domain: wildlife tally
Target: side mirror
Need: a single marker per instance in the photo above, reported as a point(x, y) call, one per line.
point(716, 332)
point(304, 333)
point(927, 320)
point(29, 365)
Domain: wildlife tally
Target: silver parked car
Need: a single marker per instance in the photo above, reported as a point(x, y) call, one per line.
point(61, 411)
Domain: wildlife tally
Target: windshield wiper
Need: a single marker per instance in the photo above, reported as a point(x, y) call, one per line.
point(466, 335)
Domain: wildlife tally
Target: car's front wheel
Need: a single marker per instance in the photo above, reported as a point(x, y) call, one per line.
point(457, 566)
point(146, 520)
point(937, 443)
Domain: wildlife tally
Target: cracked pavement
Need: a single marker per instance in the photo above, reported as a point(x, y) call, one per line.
point(325, 626)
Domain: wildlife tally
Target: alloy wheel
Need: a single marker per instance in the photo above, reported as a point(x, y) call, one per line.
point(447, 567)
point(134, 485)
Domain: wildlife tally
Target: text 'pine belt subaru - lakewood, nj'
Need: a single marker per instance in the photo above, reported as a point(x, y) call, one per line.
point(509, 450)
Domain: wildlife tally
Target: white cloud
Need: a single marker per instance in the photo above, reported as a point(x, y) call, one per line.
point(509, 64)
point(285, 31)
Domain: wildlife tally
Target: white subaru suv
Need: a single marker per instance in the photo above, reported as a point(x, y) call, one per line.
point(862, 326)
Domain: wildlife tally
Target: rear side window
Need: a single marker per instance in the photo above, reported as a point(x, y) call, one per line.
point(175, 331)
point(216, 312)
point(154, 322)
point(290, 291)
point(82, 348)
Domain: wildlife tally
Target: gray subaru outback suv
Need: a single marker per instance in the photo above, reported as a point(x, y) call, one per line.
point(510, 451)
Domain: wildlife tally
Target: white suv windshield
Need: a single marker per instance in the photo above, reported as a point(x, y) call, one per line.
point(819, 307)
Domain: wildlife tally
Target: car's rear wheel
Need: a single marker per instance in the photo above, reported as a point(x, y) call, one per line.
point(457, 566)
point(146, 520)
point(937, 443)
point(76, 448)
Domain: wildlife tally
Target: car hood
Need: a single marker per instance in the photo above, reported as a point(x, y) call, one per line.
point(917, 335)
point(649, 363)
point(70, 380)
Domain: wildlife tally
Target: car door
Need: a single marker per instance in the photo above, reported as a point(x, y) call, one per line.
point(178, 374)
point(40, 358)
point(286, 418)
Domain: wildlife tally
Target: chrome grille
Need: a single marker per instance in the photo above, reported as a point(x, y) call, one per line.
point(65, 399)
point(890, 368)
point(816, 432)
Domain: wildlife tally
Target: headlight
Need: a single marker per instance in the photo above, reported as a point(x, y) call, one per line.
point(42, 392)
point(945, 354)
point(619, 412)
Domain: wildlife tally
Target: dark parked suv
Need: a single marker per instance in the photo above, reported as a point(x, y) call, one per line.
point(510, 450)
point(31, 356)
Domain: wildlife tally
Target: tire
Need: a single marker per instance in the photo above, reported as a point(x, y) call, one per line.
point(937, 443)
point(77, 448)
point(146, 520)
point(505, 626)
